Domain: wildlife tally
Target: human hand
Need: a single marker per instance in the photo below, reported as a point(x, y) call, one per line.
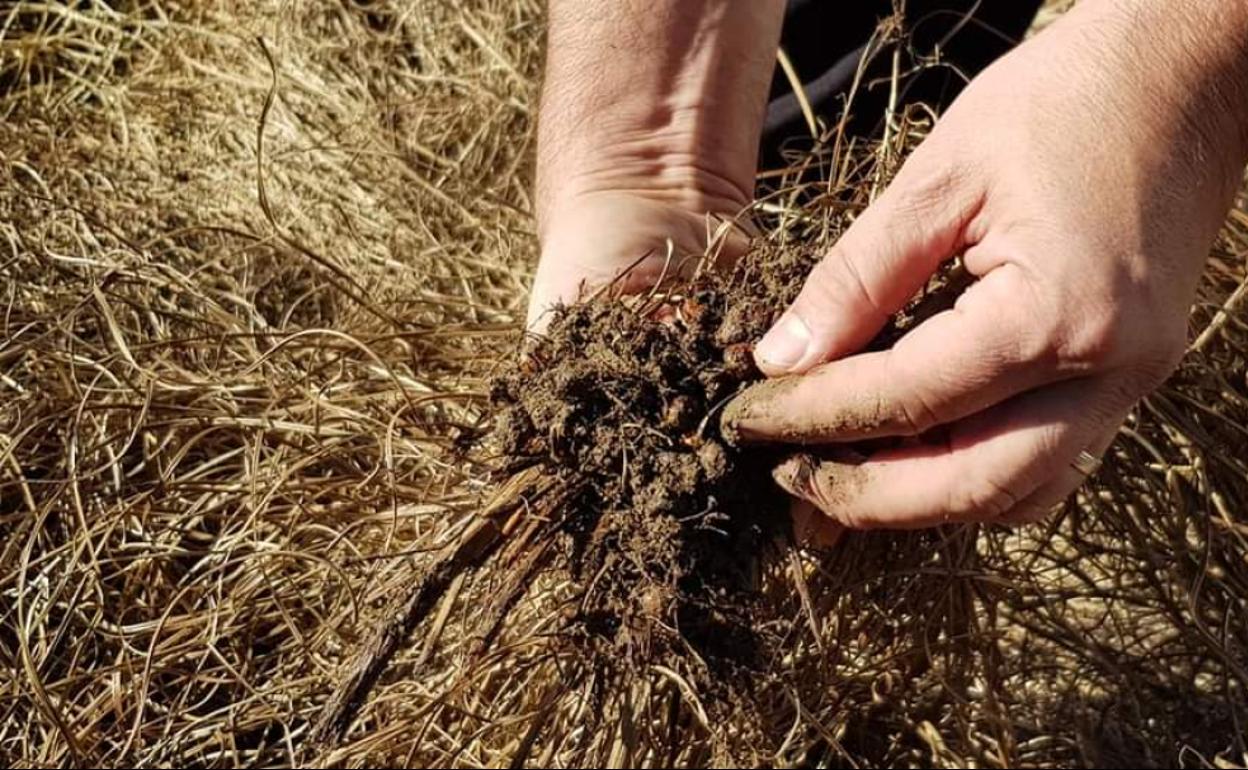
point(649, 127)
point(1083, 182)
point(637, 236)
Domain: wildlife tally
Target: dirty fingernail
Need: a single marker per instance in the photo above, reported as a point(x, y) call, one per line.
point(730, 421)
point(785, 345)
point(793, 475)
point(757, 413)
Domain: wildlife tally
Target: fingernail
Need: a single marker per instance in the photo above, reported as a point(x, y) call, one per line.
point(785, 345)
point(739, 415)
point(730, 421)
point(828, 481)
point(728, 426)
point(759, 412)
point(793, 475)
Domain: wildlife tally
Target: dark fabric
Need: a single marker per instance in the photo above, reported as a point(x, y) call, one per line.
point(825, 39)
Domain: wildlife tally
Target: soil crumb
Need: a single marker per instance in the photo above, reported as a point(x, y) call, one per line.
point(621, 399)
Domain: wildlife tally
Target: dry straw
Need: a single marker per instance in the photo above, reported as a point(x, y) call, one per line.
point(251, 295)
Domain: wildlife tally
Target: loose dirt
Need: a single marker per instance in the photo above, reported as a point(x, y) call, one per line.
point(623, 398)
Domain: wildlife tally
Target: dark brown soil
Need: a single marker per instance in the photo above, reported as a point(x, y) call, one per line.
point(614, 472)
point(622, 398)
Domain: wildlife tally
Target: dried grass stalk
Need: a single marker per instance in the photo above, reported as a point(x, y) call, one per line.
point(217, 467)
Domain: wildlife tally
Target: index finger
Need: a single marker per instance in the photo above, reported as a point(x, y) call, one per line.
point(987, 349)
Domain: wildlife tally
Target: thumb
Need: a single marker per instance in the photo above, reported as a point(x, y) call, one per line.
point(877, 266)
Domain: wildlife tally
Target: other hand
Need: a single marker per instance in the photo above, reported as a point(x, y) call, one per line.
point(1083, 183)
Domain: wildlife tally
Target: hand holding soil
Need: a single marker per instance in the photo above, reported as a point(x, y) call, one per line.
point(1082, 297)
point(654, 232)
point(652, 151)
point(276, 491)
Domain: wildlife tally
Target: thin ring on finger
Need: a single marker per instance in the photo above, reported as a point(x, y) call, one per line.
point(1045, 500)
point(1086, 463)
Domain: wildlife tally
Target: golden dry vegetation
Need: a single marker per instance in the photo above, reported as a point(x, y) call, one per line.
point(257, 263)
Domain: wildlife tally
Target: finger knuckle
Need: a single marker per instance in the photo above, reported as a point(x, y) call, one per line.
point(925, 187)
point(909, 410)
point(1045, 456)
point(837, 280)
point(930, 202)
point(982, 497)
point(1054, 329)
point(1029, 333)
point(1116, 330)
point(1038, 342)
point(918, 414)
point(1095, 341)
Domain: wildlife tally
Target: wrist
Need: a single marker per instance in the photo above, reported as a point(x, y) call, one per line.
point(663, 99)
point(643, 168)
point(1213, 45)
point(1190, 63)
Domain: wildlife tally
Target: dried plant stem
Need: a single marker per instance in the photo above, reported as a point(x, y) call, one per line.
point(527, 494)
